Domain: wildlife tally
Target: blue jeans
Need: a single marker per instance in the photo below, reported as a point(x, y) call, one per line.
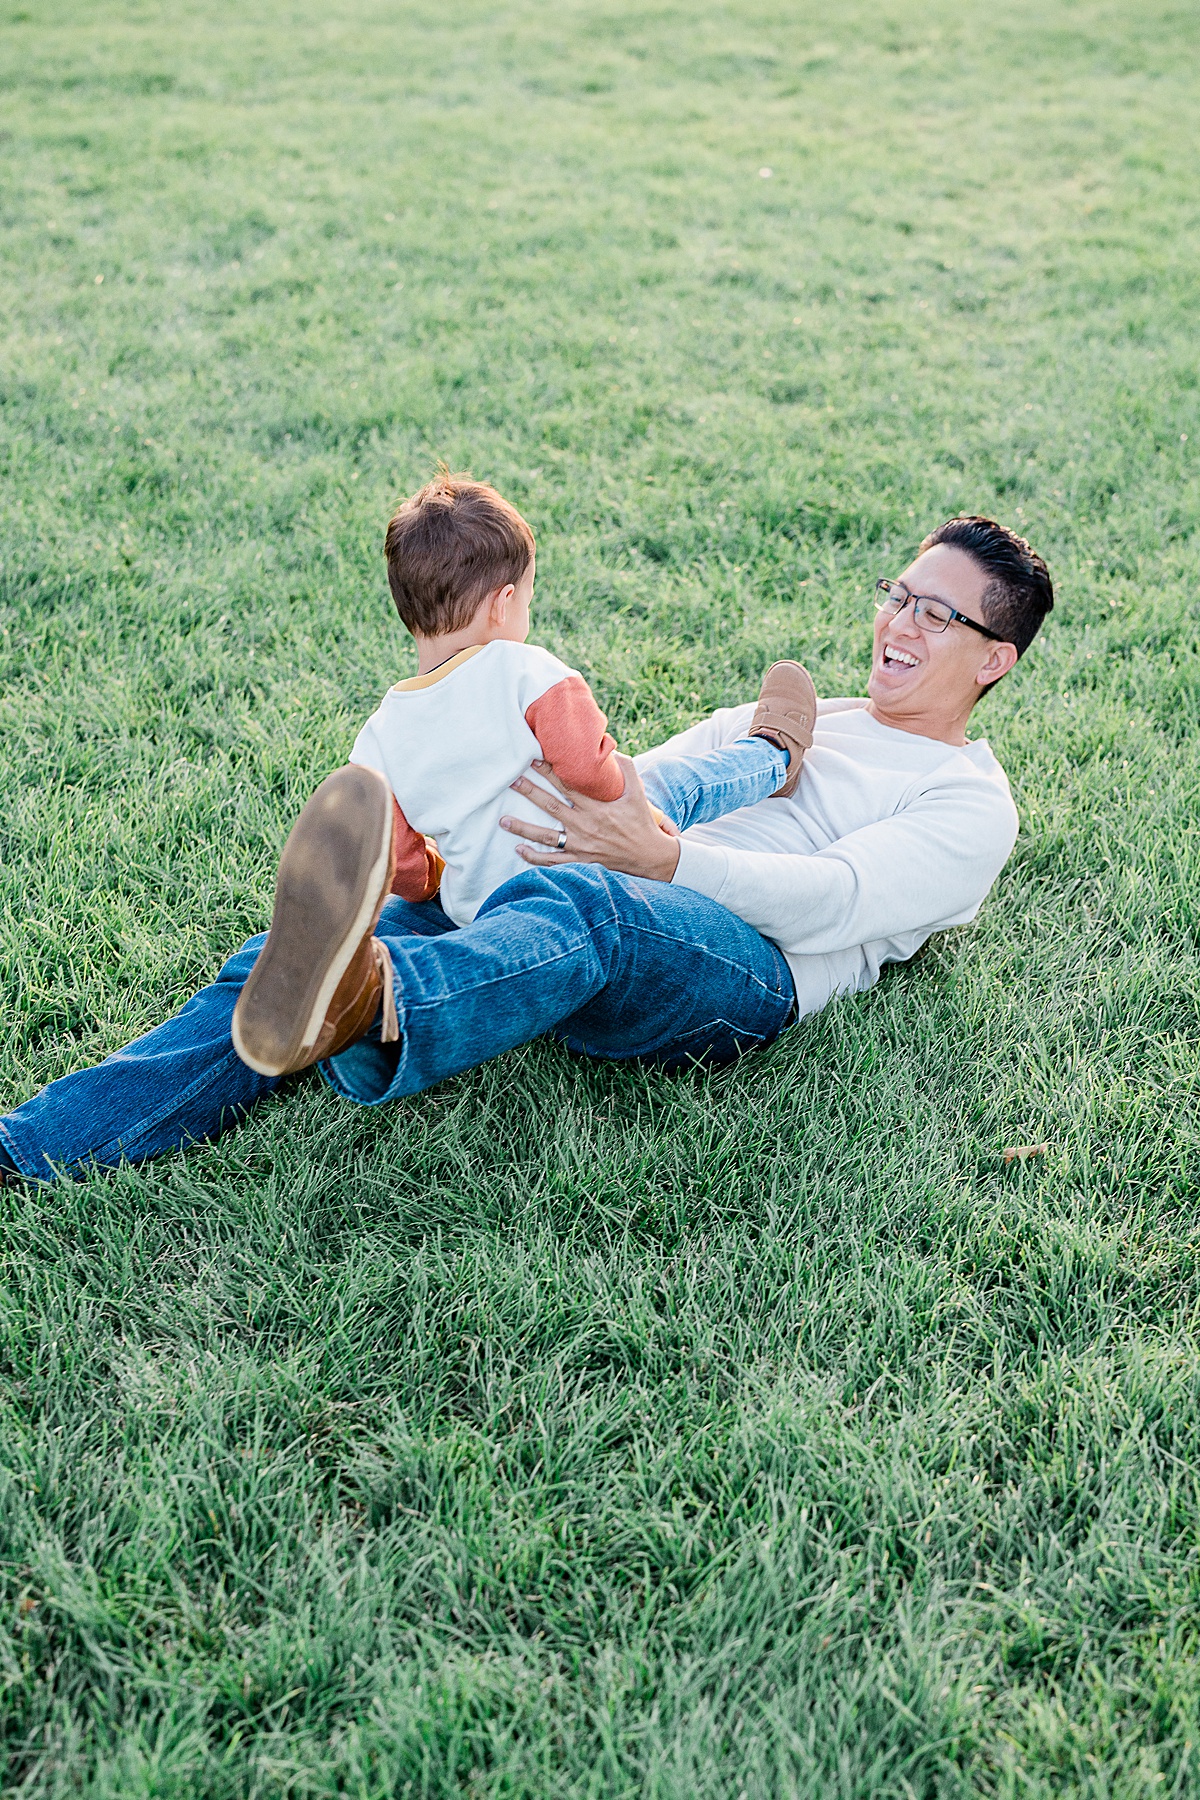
point(611, 965)
point(692, 790)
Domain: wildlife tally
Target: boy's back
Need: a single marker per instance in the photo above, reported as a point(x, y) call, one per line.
point(450, 742)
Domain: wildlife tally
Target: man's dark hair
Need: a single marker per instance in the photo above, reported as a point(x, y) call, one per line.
point(448, 547)
point(1019, 593)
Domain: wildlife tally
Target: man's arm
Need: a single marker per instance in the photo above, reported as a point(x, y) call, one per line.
point(928, 866)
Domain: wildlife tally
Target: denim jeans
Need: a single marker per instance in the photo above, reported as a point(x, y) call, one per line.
point(611, 965)
point(692, 790)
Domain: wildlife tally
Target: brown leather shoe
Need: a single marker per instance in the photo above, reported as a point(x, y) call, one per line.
point(320, 977)
point(785, 714)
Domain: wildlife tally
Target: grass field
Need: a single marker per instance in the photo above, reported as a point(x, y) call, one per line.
point(572, 1431)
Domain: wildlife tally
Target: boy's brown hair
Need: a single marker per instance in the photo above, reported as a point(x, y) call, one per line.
point(448, 547)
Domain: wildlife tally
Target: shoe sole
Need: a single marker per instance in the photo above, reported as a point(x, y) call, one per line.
point(333, 878)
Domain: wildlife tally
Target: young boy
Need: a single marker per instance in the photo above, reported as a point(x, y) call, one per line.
point(448, 743)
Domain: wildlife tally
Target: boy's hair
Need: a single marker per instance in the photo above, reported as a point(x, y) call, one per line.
point(1019, 592)
point(448, 547)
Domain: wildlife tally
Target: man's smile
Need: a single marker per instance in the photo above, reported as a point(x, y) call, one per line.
point(893, 656)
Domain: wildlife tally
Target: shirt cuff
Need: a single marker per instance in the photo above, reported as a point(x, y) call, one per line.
point(702, 867)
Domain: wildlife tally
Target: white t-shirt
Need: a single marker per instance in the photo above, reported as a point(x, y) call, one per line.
point(888, 838)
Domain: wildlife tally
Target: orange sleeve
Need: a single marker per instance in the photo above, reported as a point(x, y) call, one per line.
point(418, 871)
point(570, 728)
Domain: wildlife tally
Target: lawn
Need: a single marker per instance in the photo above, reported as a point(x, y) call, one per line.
point(570, 1430)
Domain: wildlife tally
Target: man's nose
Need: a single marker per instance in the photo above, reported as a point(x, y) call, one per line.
point(906, 620)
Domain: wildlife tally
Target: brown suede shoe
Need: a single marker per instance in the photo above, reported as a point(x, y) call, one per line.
point(785, 714)
point(320, 977)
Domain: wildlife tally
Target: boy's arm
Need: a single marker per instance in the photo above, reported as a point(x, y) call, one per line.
point(572, 732)
point(418, 866)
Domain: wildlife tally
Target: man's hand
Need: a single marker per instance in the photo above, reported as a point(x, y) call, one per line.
point(622, 834)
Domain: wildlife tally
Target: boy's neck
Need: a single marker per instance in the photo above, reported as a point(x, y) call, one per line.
point(432, 652)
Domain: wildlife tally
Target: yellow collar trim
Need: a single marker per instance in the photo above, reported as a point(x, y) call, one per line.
point(447, 668)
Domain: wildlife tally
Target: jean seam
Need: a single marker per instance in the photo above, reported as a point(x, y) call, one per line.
point(409, 1007)
point(477, 987)
point(728, 962)
point(153, 1120)
point(745, 1040)
point(755, 1038)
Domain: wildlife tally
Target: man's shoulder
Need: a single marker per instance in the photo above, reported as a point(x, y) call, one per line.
point(966, 780)
point(979, 757)
point(977, 764)
point(973, 767)
point(974, 784)
point(848, 721)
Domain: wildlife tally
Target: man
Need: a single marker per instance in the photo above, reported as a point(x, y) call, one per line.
point(621, 941)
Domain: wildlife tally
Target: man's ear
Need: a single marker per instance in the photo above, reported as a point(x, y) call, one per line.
point(498, 604)
point(999, 661)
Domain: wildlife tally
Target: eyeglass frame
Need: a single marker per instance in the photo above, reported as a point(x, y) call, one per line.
point(885, 585)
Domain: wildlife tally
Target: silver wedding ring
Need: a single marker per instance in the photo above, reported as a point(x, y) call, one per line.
point(562, 838)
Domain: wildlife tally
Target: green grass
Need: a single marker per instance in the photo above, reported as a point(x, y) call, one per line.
point(571, 1431)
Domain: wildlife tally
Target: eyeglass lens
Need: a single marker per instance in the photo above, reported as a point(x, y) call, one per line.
point(930, 614)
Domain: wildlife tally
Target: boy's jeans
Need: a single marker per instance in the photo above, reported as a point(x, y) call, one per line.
point(611, 965)
point(692, 790)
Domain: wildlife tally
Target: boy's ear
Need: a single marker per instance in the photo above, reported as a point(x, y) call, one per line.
point(498, 603)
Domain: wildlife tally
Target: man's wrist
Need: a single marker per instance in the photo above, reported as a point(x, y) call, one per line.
point(667, 860)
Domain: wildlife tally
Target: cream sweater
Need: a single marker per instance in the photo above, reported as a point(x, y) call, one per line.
point(888, 838)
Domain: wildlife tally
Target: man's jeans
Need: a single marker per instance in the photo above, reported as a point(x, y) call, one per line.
point(611, 965)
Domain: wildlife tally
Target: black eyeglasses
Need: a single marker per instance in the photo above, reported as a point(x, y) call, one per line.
point(928, 613)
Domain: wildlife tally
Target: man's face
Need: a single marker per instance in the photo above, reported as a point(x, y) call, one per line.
point(919, 675)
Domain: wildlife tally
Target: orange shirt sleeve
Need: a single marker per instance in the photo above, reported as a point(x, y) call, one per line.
point(419, 868)
point(571, 730)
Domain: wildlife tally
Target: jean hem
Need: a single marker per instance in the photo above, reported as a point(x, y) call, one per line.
point(14, 1151)
point(394, 1089)
point(345, 1092)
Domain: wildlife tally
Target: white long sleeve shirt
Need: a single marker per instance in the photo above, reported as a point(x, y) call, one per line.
point(888, 838)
